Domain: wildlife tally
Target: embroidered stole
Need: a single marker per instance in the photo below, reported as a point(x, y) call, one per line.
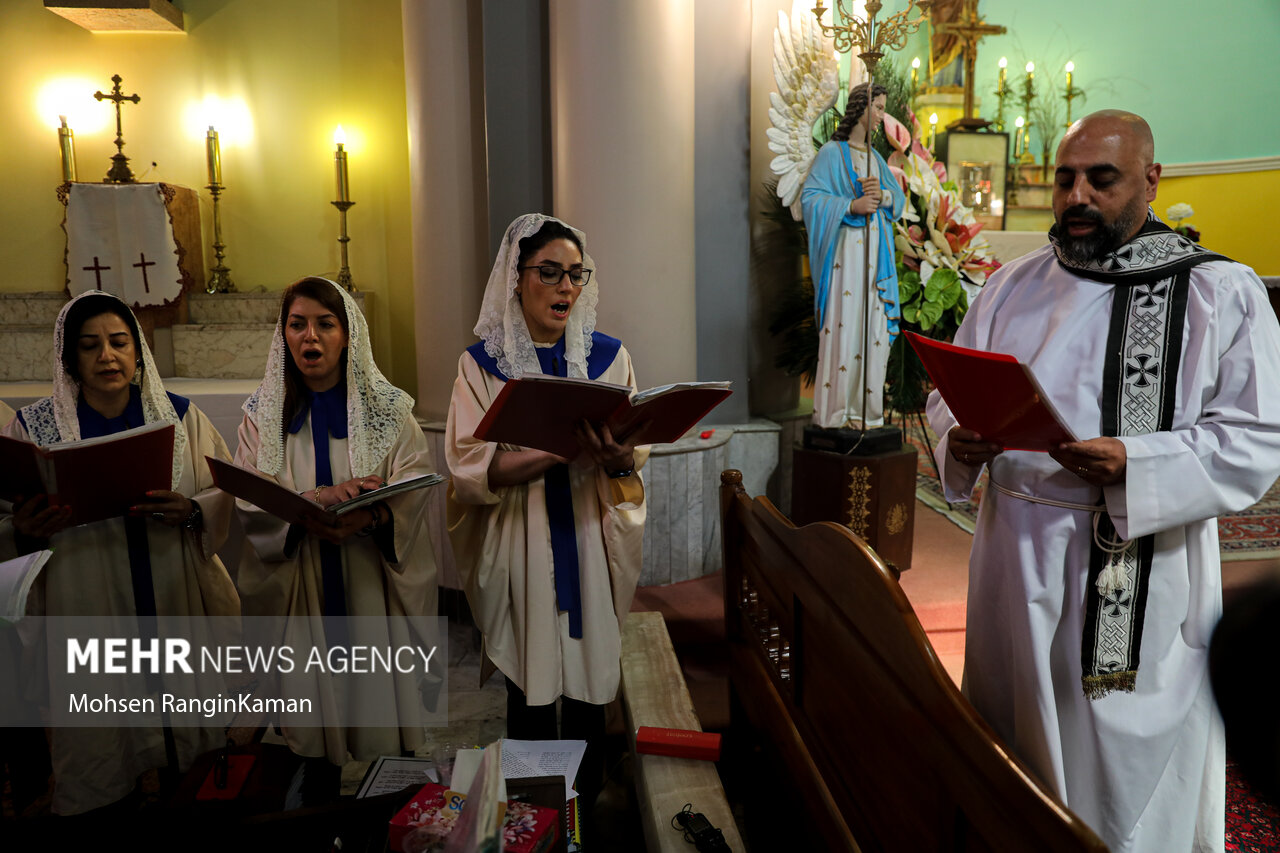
point(1152, 274)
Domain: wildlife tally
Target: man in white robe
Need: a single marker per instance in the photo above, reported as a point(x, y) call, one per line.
point(1125, 732)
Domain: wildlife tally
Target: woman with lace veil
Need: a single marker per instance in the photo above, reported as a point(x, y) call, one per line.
point(158, 561)
point(326, 423)
point(548, 548)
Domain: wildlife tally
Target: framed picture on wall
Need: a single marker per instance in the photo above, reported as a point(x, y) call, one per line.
point(978, 162)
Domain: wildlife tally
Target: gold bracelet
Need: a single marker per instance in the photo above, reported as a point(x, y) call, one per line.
point(317, 493)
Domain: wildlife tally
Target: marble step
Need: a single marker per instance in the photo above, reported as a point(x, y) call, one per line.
point(221, 350)
point(263, 307)
point(26, 352)
point(39, 308)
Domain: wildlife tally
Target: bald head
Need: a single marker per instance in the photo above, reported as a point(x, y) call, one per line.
point(1104, 179)
point(1130, 128)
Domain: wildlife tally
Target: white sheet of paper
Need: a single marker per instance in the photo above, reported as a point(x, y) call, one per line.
point(391, 773)
point(543, 758)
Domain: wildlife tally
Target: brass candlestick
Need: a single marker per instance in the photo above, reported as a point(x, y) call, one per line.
point(1072, 92)
point(220, 280)
point(344, 274)
point(120, 172)
point(1028, 95)
point(1002, 92)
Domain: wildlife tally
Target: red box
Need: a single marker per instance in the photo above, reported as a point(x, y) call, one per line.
point(525, 828)
point(680, 743)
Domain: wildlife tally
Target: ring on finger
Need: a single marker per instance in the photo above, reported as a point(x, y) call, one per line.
point(158, 516)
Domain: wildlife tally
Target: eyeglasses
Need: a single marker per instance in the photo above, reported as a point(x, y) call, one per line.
point(552, 275)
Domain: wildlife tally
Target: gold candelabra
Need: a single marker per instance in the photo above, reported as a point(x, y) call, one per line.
point(1072, 91)
point(1028, 96)
point(1002, 92)
point(344, 274)
point(871, 38)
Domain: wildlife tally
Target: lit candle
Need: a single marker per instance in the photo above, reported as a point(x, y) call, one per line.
point(340, 164)
point(1071, 66)
point(1017, 136)
point(67, 143)
point(933, 130)
point(1004, 66)
point(915, 73)
point(213, 156)
point(1031, 73)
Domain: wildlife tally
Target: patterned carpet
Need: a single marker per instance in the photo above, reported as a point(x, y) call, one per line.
point(1252, 534)
point(1253, 825)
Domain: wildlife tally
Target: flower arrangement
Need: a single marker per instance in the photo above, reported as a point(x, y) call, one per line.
point(1178, 212)
point(943, 260)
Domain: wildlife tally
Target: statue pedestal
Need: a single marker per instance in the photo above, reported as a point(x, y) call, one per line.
point(874, 496)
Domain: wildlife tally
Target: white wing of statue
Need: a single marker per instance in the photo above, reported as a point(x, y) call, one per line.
point(808, 79)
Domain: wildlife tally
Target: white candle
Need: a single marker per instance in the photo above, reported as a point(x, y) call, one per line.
point(340, 164)
point(213, 156)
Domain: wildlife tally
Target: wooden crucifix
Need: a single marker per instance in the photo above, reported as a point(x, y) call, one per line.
point(970, 29)
point(120, 172)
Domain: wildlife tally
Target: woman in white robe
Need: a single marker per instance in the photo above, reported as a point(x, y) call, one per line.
point(105, 381)
point(549, 552)
point(324, 404)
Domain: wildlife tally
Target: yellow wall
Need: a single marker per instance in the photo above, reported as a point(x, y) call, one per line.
point(301, 67)
point(1233, 212)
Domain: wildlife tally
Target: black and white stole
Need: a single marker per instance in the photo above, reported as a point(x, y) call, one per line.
point(1152, 273)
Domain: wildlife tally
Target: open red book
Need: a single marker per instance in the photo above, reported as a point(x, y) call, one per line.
point(541, 411)
point(97, 477)
point(993, 394)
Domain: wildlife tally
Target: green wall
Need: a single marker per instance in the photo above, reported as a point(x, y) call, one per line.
point(1203, 74)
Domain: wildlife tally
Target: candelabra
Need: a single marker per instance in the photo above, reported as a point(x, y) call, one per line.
point(344, 274)
point(220, 278)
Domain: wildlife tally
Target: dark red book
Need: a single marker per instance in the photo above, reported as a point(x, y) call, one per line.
point(287, 505)
point(541, 411)
point(680, 743)
point(993, 394)
point(97, 477)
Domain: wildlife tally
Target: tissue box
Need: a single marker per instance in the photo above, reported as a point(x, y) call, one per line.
point(525, 828)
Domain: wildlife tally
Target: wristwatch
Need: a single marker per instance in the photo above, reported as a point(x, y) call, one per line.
point(195, 519)
point(619, 475)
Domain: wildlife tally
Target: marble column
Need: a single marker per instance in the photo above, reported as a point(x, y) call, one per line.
point(444, 94)
point(622, 129)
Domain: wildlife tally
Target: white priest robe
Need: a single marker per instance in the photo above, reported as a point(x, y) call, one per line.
point(502, 545)
point(89, 575)
point(284, 578)
point(1145, 769)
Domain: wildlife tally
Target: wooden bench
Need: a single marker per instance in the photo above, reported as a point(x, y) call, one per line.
point(830, 665)
point(654, 694)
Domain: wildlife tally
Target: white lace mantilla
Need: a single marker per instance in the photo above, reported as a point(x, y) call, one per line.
point(376, 409)
point(54, 418)
point(501, 325)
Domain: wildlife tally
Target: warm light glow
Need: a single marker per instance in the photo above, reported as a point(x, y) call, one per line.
point(933, 118)
point(339, 136)
point(1019, 121)
point(73, 97)
point(915, 63)
point(231, 116)
point(997, 206)
point(1071, 66)
point(1031, 66)
point(1004, 62)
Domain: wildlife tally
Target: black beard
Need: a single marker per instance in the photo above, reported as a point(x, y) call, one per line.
point(1104, 240)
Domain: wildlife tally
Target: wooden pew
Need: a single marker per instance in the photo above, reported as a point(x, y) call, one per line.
point(654, 694)
point(830, 664)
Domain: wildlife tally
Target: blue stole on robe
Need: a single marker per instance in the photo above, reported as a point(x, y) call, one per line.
point(328, 412)
point(826, 198)
point(95, 425)
point(559, 492)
